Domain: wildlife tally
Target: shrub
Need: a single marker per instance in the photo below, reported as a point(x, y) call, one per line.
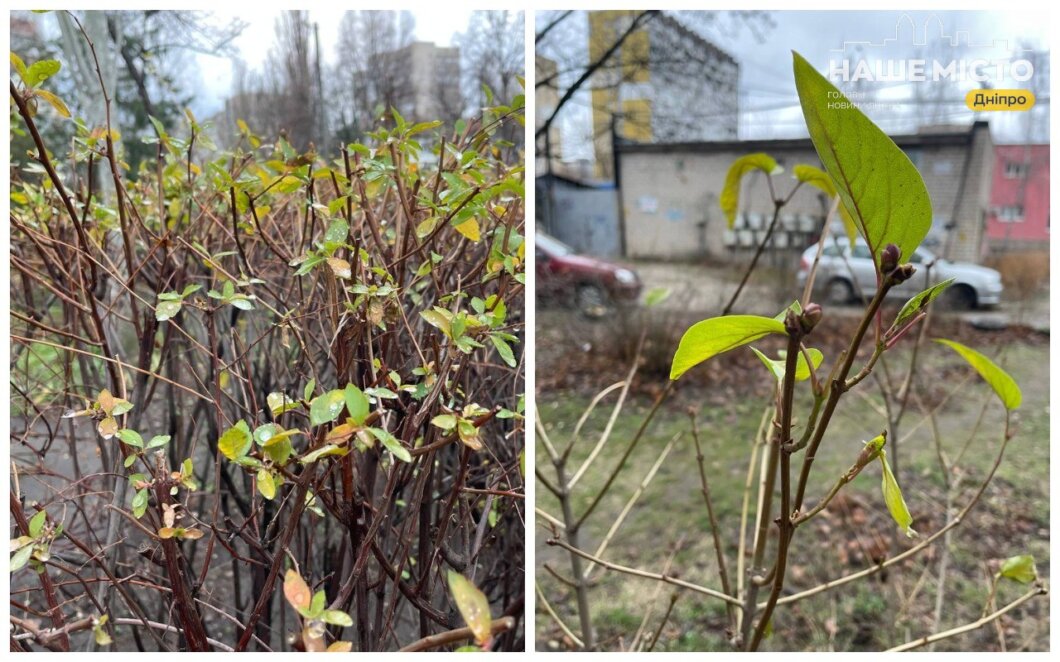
point(278, 369)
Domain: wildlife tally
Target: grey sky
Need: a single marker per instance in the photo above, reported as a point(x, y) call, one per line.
point(768, 102)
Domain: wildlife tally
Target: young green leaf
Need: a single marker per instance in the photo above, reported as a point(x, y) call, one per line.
point(717, 335)
point(336, 617)
point(139, 503)
point(236, 441)
point(730, 192)
point(21, 557)
point(324, 451)
point(1020, 569)
point(41, 71)
point(999, 380)
point(892, 496)
point(391, 443)
point(36, 523)
point(473, 606)
point(920, 302)
point(326, 408)
point(280, 403)
point(878, 184)
point(100, 634)
point(166, 310)
point(802, 369)
point(503, 349)
point(131, 438)
point(357, 405)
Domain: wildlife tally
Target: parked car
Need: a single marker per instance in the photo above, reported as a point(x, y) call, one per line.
point(839, 279)
point(591, 285)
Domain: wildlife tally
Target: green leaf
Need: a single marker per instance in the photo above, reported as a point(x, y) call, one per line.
point(326, 408)
point(878, 184)
point(445, 421)
point(236, 441)
point(802, 370)
point(139, 503)
point(280, 403)
point(36, 523)
point(819, 178)
point(730, 192)
point(337, 231)
point(1005, 387)
point(473, 606)
point(324, 451)
point(920, 302)
point(129, 460)
point(892, 496)
point(437, 319)
point(316, 606)
point(19, 558)
point(307, 394)
point(717, 335)
point(39, 72)
point(503, 349)
point(131, 438)
point(120, 407)
point(336, 617)
point(288, 184)
point(391, 443)
point(158, 440)
point(1020, 569)
point(357, 405)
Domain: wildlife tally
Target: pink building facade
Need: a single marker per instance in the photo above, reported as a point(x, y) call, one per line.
point(1018, 217)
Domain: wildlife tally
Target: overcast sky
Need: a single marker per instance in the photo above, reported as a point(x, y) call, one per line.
point(768, 101)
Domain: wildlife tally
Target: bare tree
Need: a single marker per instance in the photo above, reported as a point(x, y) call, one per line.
point(372, 72)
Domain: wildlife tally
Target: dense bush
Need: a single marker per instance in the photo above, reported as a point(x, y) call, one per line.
point(244, 370)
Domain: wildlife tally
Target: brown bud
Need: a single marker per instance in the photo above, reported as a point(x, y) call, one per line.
point(811, 315)
point(792, 324)
point(889, 258)
point(901, 273)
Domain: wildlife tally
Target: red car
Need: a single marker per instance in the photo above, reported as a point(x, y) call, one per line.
point(589, 284)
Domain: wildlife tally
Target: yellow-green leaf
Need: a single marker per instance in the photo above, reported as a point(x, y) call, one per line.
point(236, 441)
point(999, 380)
point(717, 335)
point(920, 302)
point(55, 102)
point(819, 178)
point(892, 496)
point(1020, 568)
point(266, 484)
point(473, 606)
point(802, 369)
point(469, 229)
point(730, 193)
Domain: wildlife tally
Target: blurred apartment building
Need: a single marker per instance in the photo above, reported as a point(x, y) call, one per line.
point(664, 84)
point(1018, 218)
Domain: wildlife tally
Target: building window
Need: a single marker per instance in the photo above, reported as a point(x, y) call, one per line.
point(1015, 170)
point(1010, 214)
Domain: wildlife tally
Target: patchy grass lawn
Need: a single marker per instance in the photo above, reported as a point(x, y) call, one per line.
point(879, 612)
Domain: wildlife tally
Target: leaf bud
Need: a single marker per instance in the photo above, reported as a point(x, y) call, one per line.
point(889, 258)
point(811, 315)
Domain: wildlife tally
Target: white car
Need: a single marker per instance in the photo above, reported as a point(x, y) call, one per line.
point(842, 272)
